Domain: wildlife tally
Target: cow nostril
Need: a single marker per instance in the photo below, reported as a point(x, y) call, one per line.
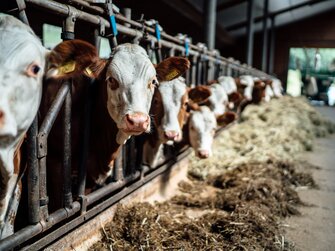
point(2, 115)
point(129, 119)
point(171, 134)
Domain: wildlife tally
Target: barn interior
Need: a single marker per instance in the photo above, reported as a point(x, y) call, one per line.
point(267, 182)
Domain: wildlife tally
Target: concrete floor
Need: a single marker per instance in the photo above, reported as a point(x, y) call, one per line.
point(315, 229)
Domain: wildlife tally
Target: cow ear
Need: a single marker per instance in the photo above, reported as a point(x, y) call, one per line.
point(199, 94)
point(171, 68)
point(73, 58)
point(226, 118)
point(234, 97)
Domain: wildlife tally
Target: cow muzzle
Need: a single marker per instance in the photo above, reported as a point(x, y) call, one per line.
point(203, 154)
point(136, 123)
point(8, 127)
point(172, 135)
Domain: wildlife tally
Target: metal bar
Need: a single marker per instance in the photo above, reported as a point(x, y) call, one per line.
point(22, 13)
point(265, 36)
point(30, 231)
point(62, 9)
point(33, 174)
point(54, 110)
point(250, 32)
point(85, 141)
point(107, 203)
point(276, 13)
point(67, 194)
point(210, 23)
point(272, 45)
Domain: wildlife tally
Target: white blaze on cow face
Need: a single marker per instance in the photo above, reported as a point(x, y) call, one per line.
point(22, 60)
point(131, 79)
point(172, 94)
point(228, 83)
point(218, 100)
point(248, 81)
point(277, 87)
point(268, 93)
point(202, 125)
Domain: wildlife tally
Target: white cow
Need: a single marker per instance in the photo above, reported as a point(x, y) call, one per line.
point(248, 81)
point(202, 125)
point(277, 87)
point(218, 100)
point(228, 83)
point(22, 62)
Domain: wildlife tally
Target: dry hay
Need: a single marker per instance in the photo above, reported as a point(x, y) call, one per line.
point(240, 210)
point(274, 131)
point(236, 200)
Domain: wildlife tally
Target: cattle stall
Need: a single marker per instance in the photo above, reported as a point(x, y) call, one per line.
point(41, 227)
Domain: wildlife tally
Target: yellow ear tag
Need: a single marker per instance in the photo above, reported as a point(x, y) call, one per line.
point(172, 75)
point(67, 67)
point(88, 72)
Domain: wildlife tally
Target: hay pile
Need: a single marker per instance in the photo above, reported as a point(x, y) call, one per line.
point(241, 204)
point(275, 131)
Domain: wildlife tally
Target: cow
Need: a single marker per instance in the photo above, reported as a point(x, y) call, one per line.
point(169, 109)
point(126, 83)
point(277, 87)
point(201, 129)
point(22, 60)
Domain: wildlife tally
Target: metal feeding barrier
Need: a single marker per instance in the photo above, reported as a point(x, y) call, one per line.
point(129, 174)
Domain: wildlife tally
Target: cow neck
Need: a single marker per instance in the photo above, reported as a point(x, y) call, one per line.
point(104, 146)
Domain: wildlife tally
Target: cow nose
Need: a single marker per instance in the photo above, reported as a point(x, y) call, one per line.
point(171, 135)
point(203, 154)
point(137, 121)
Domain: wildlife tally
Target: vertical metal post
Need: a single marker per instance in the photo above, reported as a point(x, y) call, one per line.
point(265, 36)
point(22, 13)
point(194, 71)
point(127, 14)
point(67, 193)
point(250, 32)
point(87, 126)
point(272, 45)
point(210, 23)
point(199, 70)
point(33, 175)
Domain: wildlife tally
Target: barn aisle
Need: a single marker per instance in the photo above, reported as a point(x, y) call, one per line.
point(315, 229)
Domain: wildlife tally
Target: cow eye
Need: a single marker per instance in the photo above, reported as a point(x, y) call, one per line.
point(33, 70)
point(186, 103)
point(112, 83)
point(153, 83)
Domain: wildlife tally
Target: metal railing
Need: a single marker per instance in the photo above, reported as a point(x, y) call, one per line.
point(129, 174)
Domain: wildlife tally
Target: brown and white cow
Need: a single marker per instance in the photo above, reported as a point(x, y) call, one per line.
point(126, 84)
point(170, 106)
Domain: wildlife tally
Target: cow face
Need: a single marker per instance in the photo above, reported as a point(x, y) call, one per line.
point(248, 83)
point(169, 109)
point(131, 81)
point(277, 88)
point(22, 59)
point(228, 83)
point(218, 100)
point(128, 78)
point(202, 125)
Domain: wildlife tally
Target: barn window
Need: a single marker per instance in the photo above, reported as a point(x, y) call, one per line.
point(51, 35)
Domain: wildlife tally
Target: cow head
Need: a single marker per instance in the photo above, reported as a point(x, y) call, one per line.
point(129, 79)
point(218, 100)
point(169, 109)
point(202, 125)
point(22, 60)
point(245, 85)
